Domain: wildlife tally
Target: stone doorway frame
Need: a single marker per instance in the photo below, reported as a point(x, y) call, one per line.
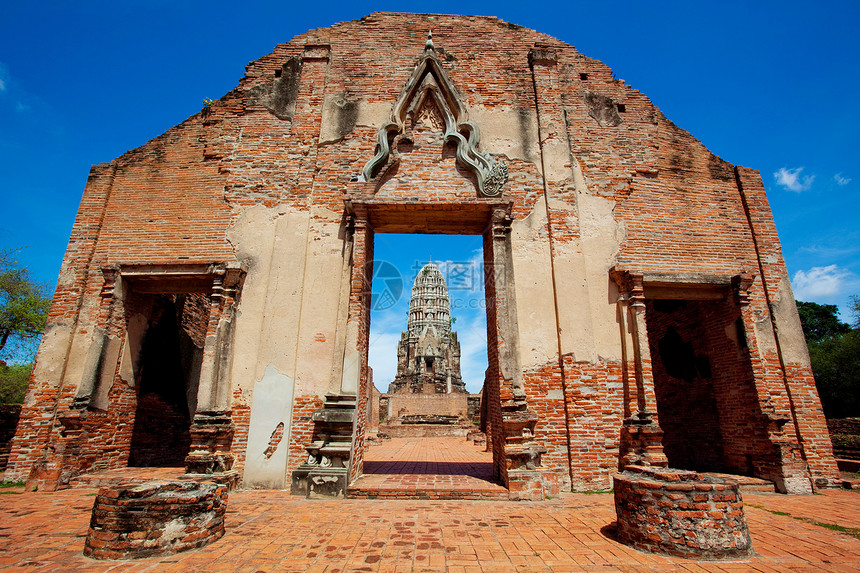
point(109, 356)
point(641, 435)
point(491, 219)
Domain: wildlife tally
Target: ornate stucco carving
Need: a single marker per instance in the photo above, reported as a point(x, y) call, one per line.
point(429, 80)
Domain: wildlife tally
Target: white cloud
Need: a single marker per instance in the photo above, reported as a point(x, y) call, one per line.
point(383, 357)
point(19, 107)
point(841, 180)
point(464, 278)
point(821, 283)
point(4, 77)
point(828, 251)
point(467, 307)
point(385, 328)
point(473, 352)
point(792, 179)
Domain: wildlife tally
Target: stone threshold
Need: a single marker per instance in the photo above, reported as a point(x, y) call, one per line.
point(490, 492)
point(747, 484)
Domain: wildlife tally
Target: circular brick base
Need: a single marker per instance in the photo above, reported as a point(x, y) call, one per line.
point(132, 521)
point(680, 513)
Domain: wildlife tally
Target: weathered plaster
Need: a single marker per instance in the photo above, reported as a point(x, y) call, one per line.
point(91, 363)
point(321, 294)
point(791, 340)
point(351, 371)
point(556, 160)
point(533, 283)
point(107, 372)
point(601, 235)
point(508, 131)
point(571, 280)
point(76, 361)
point(272, 405)
point(288, 314)
point(51, 358)
point(252, 236)
point(764, 332)
point(272, 242)
point(129, 364)
point(282, 311)
point(341, 114)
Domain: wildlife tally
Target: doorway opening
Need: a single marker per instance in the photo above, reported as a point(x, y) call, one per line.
point(705, 388)
point(167, 375)
point(427, 351)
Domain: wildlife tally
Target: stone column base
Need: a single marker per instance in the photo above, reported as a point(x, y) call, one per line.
point(157, 518)
point(526, 479)
point(211, 440)
point(681, 513)
point(228, 478)
point(641, 445)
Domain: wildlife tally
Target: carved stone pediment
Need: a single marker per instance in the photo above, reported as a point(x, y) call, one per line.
point(430, 84)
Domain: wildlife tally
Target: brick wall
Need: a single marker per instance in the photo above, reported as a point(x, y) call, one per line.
point(442, 404)
point(295, 133)
point(9, 414)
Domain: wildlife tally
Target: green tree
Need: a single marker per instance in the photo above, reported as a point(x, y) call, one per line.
point(855, 310)
point(820, 321)
point(13, 382)
point(836, 366)
point(834, 352)
point(23, 303)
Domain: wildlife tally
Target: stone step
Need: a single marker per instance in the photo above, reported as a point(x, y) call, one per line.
point(108, 478)
point(747, 484)
point(339, 401)
point(492, 492)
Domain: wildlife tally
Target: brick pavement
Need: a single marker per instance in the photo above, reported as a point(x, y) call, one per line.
point(428, 468)
point(273, 531)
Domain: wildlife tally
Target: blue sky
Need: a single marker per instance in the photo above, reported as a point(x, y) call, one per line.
point(768, 85)
point(460, 258)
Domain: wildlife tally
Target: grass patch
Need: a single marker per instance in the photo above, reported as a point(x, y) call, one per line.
point(7, 484)
point(848, 441)
point(852, 531)
point(597, 491)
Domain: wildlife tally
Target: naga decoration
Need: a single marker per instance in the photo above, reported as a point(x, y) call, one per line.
point(429, 80)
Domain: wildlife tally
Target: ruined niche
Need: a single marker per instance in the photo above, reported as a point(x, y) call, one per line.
point(279, 96)
point(703, 383)
point(602, 109)
point(346, 114)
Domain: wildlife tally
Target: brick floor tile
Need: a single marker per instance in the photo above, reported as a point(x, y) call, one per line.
point(273, 531)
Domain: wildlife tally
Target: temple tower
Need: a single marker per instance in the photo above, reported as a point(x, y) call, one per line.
point(428, 354)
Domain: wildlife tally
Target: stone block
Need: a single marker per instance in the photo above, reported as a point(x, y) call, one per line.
point(688, 524)
point(134, 521)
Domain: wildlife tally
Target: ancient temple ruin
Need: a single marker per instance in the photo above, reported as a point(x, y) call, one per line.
point(428, 354)
point(639, 311)
point(428, 396)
